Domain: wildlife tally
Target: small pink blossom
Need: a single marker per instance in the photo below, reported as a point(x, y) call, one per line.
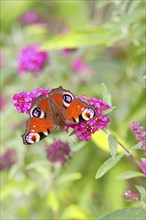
point(23, 100)
point(58, 151)
point(7, 159)
point(131, 196)
point(32, 59)
point(84, 130)
point(30, 17)
point(64, 31)
point(143, 166)
point(139, 133)
point(79, 66)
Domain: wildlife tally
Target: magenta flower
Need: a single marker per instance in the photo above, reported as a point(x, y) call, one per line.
point(58, 152)
point(143, 166)
point(131, 196)
point(23, 100)
point(139, 133)
point(7, 159)
point(79, 66)
point(30, 17)
point(32, 59)
point(84, 130)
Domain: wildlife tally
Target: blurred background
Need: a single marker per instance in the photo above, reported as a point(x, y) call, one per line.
point(86, 43)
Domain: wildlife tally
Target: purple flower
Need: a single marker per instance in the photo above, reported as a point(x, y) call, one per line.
point(58, 151)
point(139, 133)
point(79, 66)
point(131, 196)
point(7, 159)
point(23, 100)
point(30, 17)
point(143, 166)
point(32, 59)
point(84, 130)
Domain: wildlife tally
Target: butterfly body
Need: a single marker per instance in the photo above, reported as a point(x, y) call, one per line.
point(58, 108)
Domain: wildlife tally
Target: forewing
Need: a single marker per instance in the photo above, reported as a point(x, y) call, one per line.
point(79, 111)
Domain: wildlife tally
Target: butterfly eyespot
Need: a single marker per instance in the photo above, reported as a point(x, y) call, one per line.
point(32, 138)
point(67, 99)
point(88, 113)
point(36, 112)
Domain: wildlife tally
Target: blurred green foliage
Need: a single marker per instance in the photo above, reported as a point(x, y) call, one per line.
point(109, 36)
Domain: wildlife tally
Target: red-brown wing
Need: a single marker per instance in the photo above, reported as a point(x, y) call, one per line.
point(78, 111)
point(37, 129)
point(40, 108)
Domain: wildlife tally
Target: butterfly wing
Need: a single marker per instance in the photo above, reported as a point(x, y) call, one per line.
point(40, 108)
point(78, 111)
point(41, 122)
point(37, 129)
point(58, 108)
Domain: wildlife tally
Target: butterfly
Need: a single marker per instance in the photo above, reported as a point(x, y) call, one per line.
point(58, 108)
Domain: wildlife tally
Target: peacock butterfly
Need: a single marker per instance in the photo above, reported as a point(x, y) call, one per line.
point(58, 108)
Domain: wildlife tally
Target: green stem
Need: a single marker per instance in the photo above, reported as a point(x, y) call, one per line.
point(126, 150)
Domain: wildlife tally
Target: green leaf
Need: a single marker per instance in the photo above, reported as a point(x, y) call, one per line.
point(108, 164)
point(37, 164)
point(72, 133)
point(113, 144)
point(52, 201)
point(69, 177)
point(142, 192)
point(80, 38)
point(136, 147)
point(125, 214)
point(108, 111)
point(106, 95)
point(130, 174)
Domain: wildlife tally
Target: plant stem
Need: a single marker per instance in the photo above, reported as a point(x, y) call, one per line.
point(126, 150)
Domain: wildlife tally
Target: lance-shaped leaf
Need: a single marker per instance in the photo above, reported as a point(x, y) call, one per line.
point(113, 144)
point(130, 174)
point(108, 164)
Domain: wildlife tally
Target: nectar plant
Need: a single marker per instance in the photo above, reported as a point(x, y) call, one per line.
point(60, 152)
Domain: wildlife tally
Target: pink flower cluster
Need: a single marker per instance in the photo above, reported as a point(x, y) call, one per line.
point(32, 59)
point(7, 159)
point(84, 130)
point(79, 66)
point(131, 196)
point(143, 166)
point(58, 151)
point(139, 133)
point(23, 100)
point(30, 17)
